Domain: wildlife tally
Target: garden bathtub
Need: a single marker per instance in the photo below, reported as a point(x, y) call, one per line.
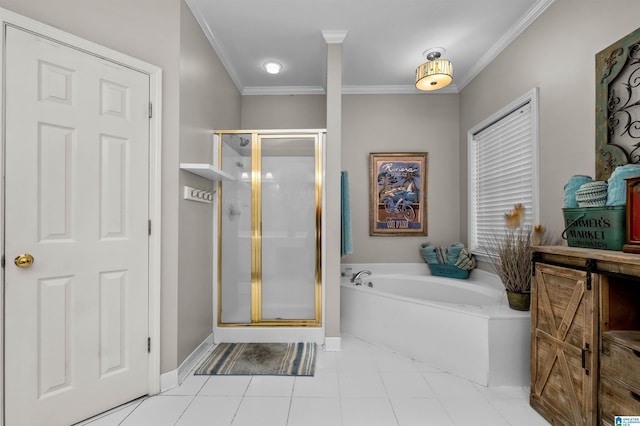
point(464, 327)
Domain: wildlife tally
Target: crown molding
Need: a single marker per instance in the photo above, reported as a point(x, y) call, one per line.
point(394, 90)
point(346, 90)
point(334, 36)
point(217, 47)
point(504, 41)
point(282, 90)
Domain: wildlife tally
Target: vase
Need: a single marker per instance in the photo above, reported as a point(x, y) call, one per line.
point(519, 301)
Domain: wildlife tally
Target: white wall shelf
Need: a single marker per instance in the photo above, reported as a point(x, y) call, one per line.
point(206, 171)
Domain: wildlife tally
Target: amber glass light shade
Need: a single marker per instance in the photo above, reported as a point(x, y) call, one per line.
point(434, 75)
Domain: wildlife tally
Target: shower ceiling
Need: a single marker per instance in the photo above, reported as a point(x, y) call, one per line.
point(384, 44)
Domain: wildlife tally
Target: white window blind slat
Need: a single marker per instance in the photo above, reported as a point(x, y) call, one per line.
point(501, 175)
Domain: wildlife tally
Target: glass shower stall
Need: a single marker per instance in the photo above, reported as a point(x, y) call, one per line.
point(269, 228)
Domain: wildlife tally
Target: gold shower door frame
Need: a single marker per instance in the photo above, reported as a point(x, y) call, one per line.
point(317, 135)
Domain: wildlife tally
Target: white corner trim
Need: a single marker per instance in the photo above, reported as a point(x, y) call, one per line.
point(333, 344)
point(334, 36)
point(504, 41)
point(173, 378)
point(282, 90)
point(217, 47)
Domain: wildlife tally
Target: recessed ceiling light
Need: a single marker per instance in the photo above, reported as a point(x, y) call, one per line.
point(272, 67)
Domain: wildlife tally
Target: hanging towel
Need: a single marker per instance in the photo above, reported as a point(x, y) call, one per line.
point(345, 215)
point(617, 195)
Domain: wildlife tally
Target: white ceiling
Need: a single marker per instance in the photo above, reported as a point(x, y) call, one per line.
point(384, 44)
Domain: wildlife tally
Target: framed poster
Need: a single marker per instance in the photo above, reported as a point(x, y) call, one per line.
point(398, 194)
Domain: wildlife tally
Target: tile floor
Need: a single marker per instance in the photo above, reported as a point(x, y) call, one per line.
point(363, 385)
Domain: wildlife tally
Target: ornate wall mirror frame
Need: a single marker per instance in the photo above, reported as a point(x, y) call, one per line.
point(618, 105)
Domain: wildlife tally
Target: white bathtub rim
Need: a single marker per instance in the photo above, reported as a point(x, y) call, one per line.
point(412, 270)
point(496, 311)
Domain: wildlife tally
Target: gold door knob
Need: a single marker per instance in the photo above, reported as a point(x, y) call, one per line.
point(24, 260)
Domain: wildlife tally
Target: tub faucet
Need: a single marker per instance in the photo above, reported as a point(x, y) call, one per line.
point(357, 277)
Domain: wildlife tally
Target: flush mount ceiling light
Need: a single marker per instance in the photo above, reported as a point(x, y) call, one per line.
point(272, 67)
point(436, 73)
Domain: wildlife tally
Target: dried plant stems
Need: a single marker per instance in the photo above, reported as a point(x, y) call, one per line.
point(510, 251)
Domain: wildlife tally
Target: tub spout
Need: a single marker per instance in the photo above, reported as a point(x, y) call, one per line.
point(357, 277)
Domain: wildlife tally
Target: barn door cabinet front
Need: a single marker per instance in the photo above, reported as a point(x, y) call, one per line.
point(585, 341)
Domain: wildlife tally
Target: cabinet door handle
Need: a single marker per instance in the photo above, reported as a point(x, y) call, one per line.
point(584, 356)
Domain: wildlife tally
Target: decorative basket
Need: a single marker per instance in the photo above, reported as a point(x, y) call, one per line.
point(595, 227)
point(448, 271)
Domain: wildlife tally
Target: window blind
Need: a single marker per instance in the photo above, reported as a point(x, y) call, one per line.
point(501, 175)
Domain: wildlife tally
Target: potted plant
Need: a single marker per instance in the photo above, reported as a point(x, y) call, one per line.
point(510, 254)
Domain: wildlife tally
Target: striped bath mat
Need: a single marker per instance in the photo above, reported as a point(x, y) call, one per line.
point(270, 359)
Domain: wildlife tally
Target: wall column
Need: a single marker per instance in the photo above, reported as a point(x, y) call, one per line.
point(334, 41)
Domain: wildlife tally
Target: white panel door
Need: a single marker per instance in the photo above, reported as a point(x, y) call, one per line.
point(77, 167)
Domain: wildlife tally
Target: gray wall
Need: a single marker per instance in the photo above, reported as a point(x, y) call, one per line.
point(284, 112)
point(208, 100)
point(381, 123)
point(402, 123)
point(557, 54)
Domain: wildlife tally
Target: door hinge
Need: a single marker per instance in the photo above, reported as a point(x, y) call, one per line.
point(534, 259)
point(2, 261)
point(149, 345)
point(149, 226)
point(150, 110)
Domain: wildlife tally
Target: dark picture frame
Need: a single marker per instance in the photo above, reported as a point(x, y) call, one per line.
point(398, 194)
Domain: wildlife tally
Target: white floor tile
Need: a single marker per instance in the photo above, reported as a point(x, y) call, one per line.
point(367, 412)
point(474, 412)
point(387, 360)
point(448, 386)
point(225, 386)
point(423, 367)
point(263, 411)
point(364, 385)
point(113, 417)
point(420, 412)
point(361, 361)
point(314, 412)
point(210, 411)
point(322, 385)
point(158, 411)
point(518, 412)
point(361, 385)
point(190, 386)
point(325, 361)
point(406, 385)
point(270, 386)
point(504, 392)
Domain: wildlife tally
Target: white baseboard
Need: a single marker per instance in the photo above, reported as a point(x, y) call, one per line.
point(333, 344)
point(168, 380)
point(171, 379)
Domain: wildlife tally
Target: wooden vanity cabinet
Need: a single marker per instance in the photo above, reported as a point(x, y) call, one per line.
point(585, 335)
